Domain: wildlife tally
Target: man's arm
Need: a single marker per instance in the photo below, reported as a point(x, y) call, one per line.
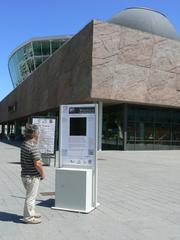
point(39, 167)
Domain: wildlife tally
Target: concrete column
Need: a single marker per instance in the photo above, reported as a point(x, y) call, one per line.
point(125, 126)
point(8, 128)
point(3, 129)
point(17, 130)
point(2, 133)
point(100, 119)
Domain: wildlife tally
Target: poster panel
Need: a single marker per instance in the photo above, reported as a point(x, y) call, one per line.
point(78, 135)
point(47, 129)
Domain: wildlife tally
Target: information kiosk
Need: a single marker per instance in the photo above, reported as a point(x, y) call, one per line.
point(76, 177)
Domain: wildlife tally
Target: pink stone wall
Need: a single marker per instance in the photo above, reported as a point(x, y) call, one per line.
point(134, 66)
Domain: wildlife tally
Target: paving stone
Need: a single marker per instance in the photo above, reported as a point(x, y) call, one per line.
point(139, 195)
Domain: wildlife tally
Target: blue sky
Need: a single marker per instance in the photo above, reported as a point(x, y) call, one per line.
point(21, 20)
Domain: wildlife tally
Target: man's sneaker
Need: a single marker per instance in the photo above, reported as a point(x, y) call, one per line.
point(33, 221)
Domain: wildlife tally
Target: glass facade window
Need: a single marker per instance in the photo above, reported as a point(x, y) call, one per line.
point(37, 48)
point(38, 61)
point(176, 116)
point(112, 132)
point(153, 128)
point(30, 64)
point(148, 128)
point(46, 48)
point(55, 45)
point(27, 58)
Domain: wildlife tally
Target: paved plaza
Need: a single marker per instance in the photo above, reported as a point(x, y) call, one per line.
point(138, 192)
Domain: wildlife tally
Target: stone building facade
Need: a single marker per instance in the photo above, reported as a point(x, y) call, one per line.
point(132, 74)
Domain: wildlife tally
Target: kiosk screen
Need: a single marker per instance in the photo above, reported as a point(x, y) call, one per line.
point(77, 126)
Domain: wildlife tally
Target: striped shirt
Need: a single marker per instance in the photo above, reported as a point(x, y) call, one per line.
point(29, 154)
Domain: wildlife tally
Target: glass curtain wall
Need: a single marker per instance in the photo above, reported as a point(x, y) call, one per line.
point(27, 58)
point(148, 128)
point(112, 128)
point(153, 128)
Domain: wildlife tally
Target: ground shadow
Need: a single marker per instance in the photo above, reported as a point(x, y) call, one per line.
point(10, 217)
point(14, 162)
point(16, 143)
point(38, 200)
point(17, 197)
point(47, 203)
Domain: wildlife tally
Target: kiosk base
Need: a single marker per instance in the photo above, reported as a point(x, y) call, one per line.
point(74, 210)
point(73, 191)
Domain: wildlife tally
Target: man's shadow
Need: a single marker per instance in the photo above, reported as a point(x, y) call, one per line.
point(10, 217)
point(47, 203)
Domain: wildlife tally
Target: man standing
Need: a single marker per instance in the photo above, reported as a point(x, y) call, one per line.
point(31, 172)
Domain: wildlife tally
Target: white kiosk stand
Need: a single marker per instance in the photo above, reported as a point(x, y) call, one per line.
point(76, 178)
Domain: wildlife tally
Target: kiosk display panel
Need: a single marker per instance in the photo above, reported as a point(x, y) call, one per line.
point(78, 135)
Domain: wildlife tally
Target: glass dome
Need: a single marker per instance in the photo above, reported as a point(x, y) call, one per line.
point(146, 20)
point(27, 58)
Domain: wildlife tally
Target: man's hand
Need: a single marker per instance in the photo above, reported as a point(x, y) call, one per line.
point(42, 177)
point(39, 167)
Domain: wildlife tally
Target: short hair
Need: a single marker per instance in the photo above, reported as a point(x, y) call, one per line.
point(30, 130)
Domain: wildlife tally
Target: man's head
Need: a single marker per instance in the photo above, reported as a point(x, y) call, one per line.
point(31, 131)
